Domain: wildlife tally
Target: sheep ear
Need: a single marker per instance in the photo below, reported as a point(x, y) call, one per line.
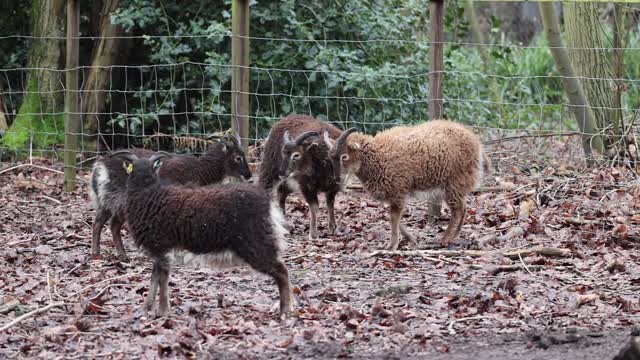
point(128, 167)
point(156, 166)
point(354, 146)
point(286, 137)
point(327, 140)
point(223, 145)
point(312, 145)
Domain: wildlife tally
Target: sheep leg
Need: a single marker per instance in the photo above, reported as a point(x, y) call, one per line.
point(153, 289)
point(396, 213)
point(116, 225)
point(281, 276)
point(163, 281)
point(312, 200)
point(435, 207)
point(458, 210)
point(283, 192)
point(102, 217)
point(407, 235)
point(331, 199)
point(271, 265)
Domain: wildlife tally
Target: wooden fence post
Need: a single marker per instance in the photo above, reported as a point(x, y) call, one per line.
point(240, 69)
point(71, 95)
point(436, 57)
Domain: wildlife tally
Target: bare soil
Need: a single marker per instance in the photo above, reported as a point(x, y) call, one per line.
point(350, 303)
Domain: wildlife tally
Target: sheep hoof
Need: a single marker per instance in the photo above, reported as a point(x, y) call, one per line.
point(446, 244)
point(391, 247)
point(313, 236)
point(162, 312)
point(285, 315)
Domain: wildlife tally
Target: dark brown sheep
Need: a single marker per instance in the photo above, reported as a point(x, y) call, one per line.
point(296, 158)
point(108, 182)
point(220, 224)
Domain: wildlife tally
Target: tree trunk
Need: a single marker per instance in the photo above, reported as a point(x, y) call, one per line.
point(478, 37)
point(40, 116)
point(584, 34)
point(577, 100)
point(436, 58)
point(4, 114)
point(476, 33)
point(626, 146)
point(108, 51)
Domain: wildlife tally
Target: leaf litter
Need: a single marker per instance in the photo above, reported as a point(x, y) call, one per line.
point(350, 301)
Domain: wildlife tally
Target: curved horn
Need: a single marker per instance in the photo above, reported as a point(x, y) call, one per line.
point(342, 140)
point(286, 137)
point(304, 136)
point(158, 155)
point(125, 154)
point(233, 138)
point(327, 140)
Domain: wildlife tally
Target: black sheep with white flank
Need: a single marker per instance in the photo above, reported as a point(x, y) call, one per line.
point(222, 224)
point(108, 182)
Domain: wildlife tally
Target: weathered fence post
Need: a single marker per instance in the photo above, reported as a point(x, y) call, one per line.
point(436, 57)
point(71, 95)
point(240, 68)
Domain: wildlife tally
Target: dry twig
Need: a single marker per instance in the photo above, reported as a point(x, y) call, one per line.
point(543, 251)
point(29, 314)
point(578, 221)
point(516, 137)
point(450, 327)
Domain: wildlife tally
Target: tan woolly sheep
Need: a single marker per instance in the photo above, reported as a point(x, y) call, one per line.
point(440, 159)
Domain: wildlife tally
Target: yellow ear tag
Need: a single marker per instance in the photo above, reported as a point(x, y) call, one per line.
point(129, 168)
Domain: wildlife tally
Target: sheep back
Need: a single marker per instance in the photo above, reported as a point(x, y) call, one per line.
point(205, 220)
point(433, 155)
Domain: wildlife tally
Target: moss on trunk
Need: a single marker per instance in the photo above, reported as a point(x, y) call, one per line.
point(46, 129)
point(41, 115)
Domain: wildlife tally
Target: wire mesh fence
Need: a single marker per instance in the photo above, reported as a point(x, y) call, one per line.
point(517, 94)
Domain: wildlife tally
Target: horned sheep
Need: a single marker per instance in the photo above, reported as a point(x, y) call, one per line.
point(296, 158)
point(223, 225)
point(108, 182)
point(441, 159)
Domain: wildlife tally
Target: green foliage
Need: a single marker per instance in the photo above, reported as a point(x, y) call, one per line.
point(179, 78)
point(358, 81)
point(13, 50)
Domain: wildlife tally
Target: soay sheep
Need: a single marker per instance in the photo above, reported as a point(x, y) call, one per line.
point(223, 225)
point(296, 158)
point(441, 159)
point(108, 182)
